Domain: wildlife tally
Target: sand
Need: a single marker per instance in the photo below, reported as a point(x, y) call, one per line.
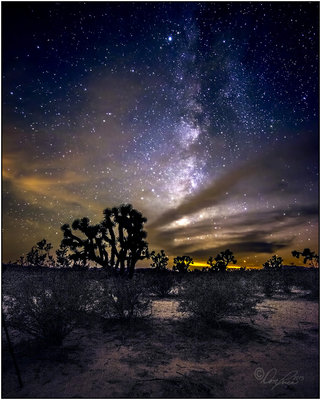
point(275, 355)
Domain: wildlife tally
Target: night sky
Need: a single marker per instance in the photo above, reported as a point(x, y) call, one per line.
point(203, 115)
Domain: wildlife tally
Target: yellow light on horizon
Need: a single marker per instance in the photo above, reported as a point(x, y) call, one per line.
point(199, 264)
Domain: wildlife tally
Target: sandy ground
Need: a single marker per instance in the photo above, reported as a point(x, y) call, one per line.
point(168, 356)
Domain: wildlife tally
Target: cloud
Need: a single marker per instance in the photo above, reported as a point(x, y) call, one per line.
point(270, 173)
point(262, 231)
point(246, 243)
point(208, 197)
point(242, 248)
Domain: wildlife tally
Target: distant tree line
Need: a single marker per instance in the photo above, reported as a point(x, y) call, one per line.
point(118, 242)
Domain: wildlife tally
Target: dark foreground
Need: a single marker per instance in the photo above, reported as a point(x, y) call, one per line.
point(169, 355)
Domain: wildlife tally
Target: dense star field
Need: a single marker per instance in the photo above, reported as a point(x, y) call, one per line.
point(204, 116)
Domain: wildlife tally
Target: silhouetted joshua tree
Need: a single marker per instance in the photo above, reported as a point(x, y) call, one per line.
point(118, 242)
point(307, 255)
point(273, 263)
point(221, 261)
point(62, 258)
point(181, 263)
point(159, 260)
point(83, 247)
point(39, 254)
point(20, 261)
point(135, 244)
point(122, 230)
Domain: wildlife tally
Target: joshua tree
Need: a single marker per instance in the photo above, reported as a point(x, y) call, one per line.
point(160, 260)
point(39, 253)
point(122, 230)
point(45, 247)
point(273, 263)
point(62, 256)
point(21, 260)
point(133, 246)
point(34, 258)
point(221, 261)
point(181, 263)
point(307, 255)
point(118, 242)
point(83, 247)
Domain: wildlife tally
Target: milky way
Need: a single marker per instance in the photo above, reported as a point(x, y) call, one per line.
point(204, 116)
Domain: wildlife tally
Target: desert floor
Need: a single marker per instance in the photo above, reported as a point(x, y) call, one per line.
point(275, 355)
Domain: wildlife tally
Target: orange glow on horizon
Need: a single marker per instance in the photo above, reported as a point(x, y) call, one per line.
point(200, 265)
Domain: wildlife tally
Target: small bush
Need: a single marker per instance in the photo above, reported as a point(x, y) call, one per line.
point(268, 280)
point(210, 299)
point(309, 280)
point(286, 281)
point(123, 299)
point(47, 308)
point(162, 283)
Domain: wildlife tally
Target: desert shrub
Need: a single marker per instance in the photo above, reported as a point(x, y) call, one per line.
point(286, 280)
point(47, 308)
point(282, 280)
point(268, 280)
point(309, 280)
point(162, 283)
point(123, 299)
point(209, 299)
